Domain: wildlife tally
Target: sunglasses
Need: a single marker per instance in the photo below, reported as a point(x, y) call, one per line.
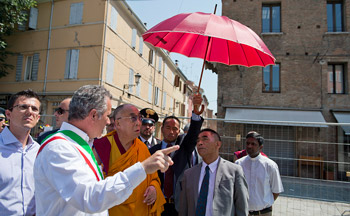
point(60, 111)
point(132, 118)
point(2, 119)
point(24, 107)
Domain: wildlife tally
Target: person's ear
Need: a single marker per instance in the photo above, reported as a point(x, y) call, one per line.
point(93, 114)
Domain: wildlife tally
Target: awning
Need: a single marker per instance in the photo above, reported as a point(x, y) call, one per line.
point(343, 117)
point(275, 117)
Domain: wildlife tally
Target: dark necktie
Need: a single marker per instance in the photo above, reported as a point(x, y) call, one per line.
point(147, 144)
point(169, 180)
point(203, 195)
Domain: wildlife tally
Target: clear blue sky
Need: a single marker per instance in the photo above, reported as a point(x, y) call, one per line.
point(154, 11)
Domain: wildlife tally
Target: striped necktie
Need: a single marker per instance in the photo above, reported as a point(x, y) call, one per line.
point(203, 195)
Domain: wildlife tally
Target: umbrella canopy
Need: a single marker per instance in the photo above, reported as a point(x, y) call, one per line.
point(212, 38)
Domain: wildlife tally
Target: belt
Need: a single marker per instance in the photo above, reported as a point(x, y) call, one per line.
point(264, 211)
point(169, 200)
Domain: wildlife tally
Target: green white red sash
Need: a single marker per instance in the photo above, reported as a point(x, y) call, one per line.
point(82, 143)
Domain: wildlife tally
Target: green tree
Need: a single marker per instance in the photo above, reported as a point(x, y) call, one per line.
point(12, 13)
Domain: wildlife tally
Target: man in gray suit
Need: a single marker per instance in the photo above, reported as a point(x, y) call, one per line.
point(215, 186)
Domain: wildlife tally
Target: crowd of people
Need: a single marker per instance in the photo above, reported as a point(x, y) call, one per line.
point(73, 170)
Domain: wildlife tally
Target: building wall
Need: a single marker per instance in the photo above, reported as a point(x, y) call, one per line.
point(303, 48)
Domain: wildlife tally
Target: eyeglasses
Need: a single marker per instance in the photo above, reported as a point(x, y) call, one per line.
point(60, 111)
point(133, 118)
point(24, 107)
point(2, 119)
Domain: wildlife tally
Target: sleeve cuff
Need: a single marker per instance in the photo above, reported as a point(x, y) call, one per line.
point(136, 174)
point(195, 117)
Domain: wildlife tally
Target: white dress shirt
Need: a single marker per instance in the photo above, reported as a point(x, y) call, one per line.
point(212, 175)
point(263, 180)
point(66, 185)
point(16, 175)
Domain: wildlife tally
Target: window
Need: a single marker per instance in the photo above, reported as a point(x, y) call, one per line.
point(113, 21)
point(164, 100)
point(72, 61)
point(335, 16)
point(140, 46)
point(335, 82)
point(133, 38)
point(131, 80)
point(165, 71)
point(31, 67)
point(110, 68)
point(156, 96)
point(138, 88)
point(32, 20)
point(271, 18)
point(160, 64)
point(271, 78)
point(171, 105)
point(76, 13)
point(150, 88)
point(150, 57)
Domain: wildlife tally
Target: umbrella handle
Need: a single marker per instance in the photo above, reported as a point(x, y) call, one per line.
point(196, 109)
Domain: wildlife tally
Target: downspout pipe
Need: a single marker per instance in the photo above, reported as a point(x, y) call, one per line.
point(48, 47)
point(104, 44)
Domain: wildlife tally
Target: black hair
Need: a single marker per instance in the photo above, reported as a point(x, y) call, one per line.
point(257, 136)
point(211, 131)
point(170, 117)
point(26, 93)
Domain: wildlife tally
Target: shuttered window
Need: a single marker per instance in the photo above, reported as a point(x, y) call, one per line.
point(140, 46)
point(171, 109)
point(165, 70)
point(150, 57)
point(76, 13)
point(131, 80)
point(133, 38)
point(160, 64)
point(19, 67)
point(31, 67)
point(72, 61)
point(138, 88)
point(164, 100)
point(113, 21)
point(156, 96)
point(110, 68)
point(150, 88)
point(33, 18)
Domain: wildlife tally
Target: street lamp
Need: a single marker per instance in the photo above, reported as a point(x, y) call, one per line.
point(137, 81)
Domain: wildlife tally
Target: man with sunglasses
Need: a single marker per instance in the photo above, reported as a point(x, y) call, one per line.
point(150, 118)
point(17, 155)
point(61, 114)
point(119, 150)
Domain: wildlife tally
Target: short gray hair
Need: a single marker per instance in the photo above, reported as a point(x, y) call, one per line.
point(85, 99)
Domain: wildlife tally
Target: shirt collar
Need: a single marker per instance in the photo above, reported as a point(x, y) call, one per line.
point(10, 138)
point(256, 158)
point(82, 134)
point(213, 166)
point(144, 140)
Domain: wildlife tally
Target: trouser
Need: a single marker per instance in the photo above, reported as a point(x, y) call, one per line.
point(169, 210)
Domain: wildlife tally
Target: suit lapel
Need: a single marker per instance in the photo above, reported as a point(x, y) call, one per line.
point(218, 177)
point(196, 174)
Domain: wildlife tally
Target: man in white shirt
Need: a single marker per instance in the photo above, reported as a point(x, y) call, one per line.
point(17, 155)
point(214, 177)
point(67, 177)
point(263, 177)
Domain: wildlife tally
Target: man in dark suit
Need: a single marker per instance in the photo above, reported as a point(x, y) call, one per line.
point(214, 177)
point(170, 181)
point(150, 118)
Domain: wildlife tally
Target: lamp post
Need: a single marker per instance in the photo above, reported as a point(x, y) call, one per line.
point(137, 81)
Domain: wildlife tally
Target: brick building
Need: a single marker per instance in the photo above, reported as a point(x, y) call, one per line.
point(309, 83)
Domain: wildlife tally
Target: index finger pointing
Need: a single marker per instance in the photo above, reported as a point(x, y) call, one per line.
point(167, 151)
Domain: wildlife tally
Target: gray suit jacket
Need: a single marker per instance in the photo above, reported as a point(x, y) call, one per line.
point(230, 191)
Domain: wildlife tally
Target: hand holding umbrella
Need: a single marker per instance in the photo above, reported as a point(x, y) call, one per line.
point(197, 101)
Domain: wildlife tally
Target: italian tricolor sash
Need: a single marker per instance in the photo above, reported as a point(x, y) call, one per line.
point(82, 143)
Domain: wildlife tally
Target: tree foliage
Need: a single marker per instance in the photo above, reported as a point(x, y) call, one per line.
point(12, 13)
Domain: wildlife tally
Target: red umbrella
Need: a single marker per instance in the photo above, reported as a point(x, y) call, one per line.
point(212, 38)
